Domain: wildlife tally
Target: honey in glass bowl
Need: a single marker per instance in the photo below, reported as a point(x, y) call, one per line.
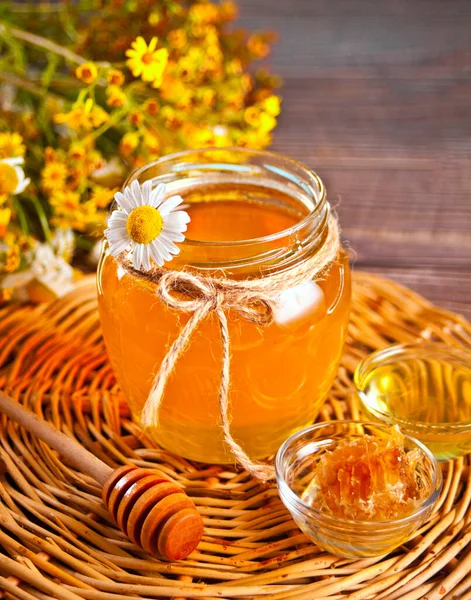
point(252, 214)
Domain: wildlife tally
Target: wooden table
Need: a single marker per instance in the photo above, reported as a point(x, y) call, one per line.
point(377, 99)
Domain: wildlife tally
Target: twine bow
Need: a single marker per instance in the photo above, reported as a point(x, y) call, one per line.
point(255, 300)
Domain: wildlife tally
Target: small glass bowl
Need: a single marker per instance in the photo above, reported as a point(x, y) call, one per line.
point(423, 387)
point(295, 467)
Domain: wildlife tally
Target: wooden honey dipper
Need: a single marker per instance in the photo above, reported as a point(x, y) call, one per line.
point(151, 510)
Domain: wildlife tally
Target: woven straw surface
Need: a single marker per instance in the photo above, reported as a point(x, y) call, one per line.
point(59, 542)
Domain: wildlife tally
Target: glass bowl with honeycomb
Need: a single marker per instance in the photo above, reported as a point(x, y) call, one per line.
point(423, 387)
point(357, 489)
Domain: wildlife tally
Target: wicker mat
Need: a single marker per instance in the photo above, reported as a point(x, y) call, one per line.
point(59, 542)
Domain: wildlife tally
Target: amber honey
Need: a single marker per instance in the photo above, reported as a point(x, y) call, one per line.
point(367, 479)
point(280, 374)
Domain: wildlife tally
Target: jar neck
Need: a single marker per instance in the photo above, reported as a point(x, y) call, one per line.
point(279, 183)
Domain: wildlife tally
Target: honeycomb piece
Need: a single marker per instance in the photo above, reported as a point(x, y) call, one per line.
point(368, 479)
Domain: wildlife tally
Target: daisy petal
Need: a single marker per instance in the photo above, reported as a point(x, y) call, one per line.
point(157, 195)
point(169, 245)
point(145, 258)
point(166, 207)
point(116, 247)
point(115, 236)
point(177, 221)
point(118, 217)
point(161, 250)
point(124, 202)
point(137, 256)
point(146, 190)
point(158, 254)
point(17, 160)
point(174, 236)
point(135, 190)
point(22, 185)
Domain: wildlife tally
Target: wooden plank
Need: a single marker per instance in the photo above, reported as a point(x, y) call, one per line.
point(376, 100)
point(336, 33)
point(449, 288)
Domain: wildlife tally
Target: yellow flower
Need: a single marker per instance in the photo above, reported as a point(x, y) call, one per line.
point(154, 18)
point(129, 142)
point(151, 106)
point(103, 196)
point(115, 77)
point(12, 259)
point(69, 212)
point(234, 67)
point(152, 142)
point(11, 145)
point(228, 10)
point(252, 115)
point(172, 120)
point(88, 116)
point(272, 105)
point(86, 72)
point(135, 117)
point(208, 96)
point(116, 97)
point(3, 198)
point(12, 176)
point(267, 123)
point(53, 176)
point(5, 215)
point(93, 116)
point(200, 137)
point(204, 12)
point(8, 179)
point(65, 200)
point(77, 151)
point(254, 139)
point(261, 120)
point(177, 38)
point(257, 46)
point(146, 62)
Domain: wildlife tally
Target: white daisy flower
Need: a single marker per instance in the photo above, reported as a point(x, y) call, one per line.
point(12, 176)
point(147, 224)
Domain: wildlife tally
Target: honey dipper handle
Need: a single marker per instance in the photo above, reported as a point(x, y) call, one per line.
point(54, 438)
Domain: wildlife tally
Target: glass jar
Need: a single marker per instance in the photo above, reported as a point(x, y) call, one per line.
point(252, 214)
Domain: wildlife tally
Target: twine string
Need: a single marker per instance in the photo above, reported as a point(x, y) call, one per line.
point(255, 300)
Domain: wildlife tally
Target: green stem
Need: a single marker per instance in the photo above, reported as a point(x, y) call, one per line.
point(22, 83)
point(21, 216)
point(42, 217)
point(42, 42)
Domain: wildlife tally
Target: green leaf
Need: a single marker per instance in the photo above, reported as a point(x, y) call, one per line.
point(16, 50)
point(42, 217)
point(22, 218)
point(53, 61)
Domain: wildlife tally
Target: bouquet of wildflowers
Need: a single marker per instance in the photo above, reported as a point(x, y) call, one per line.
point(92, 89)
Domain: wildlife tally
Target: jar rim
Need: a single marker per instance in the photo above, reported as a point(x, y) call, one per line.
point(313, 213)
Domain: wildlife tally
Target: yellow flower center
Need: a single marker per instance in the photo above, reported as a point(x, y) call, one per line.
point(144, 224)
point(147, 58)
point(8, 179)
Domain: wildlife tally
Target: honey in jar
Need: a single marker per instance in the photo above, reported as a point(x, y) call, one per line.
point(252, 214)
